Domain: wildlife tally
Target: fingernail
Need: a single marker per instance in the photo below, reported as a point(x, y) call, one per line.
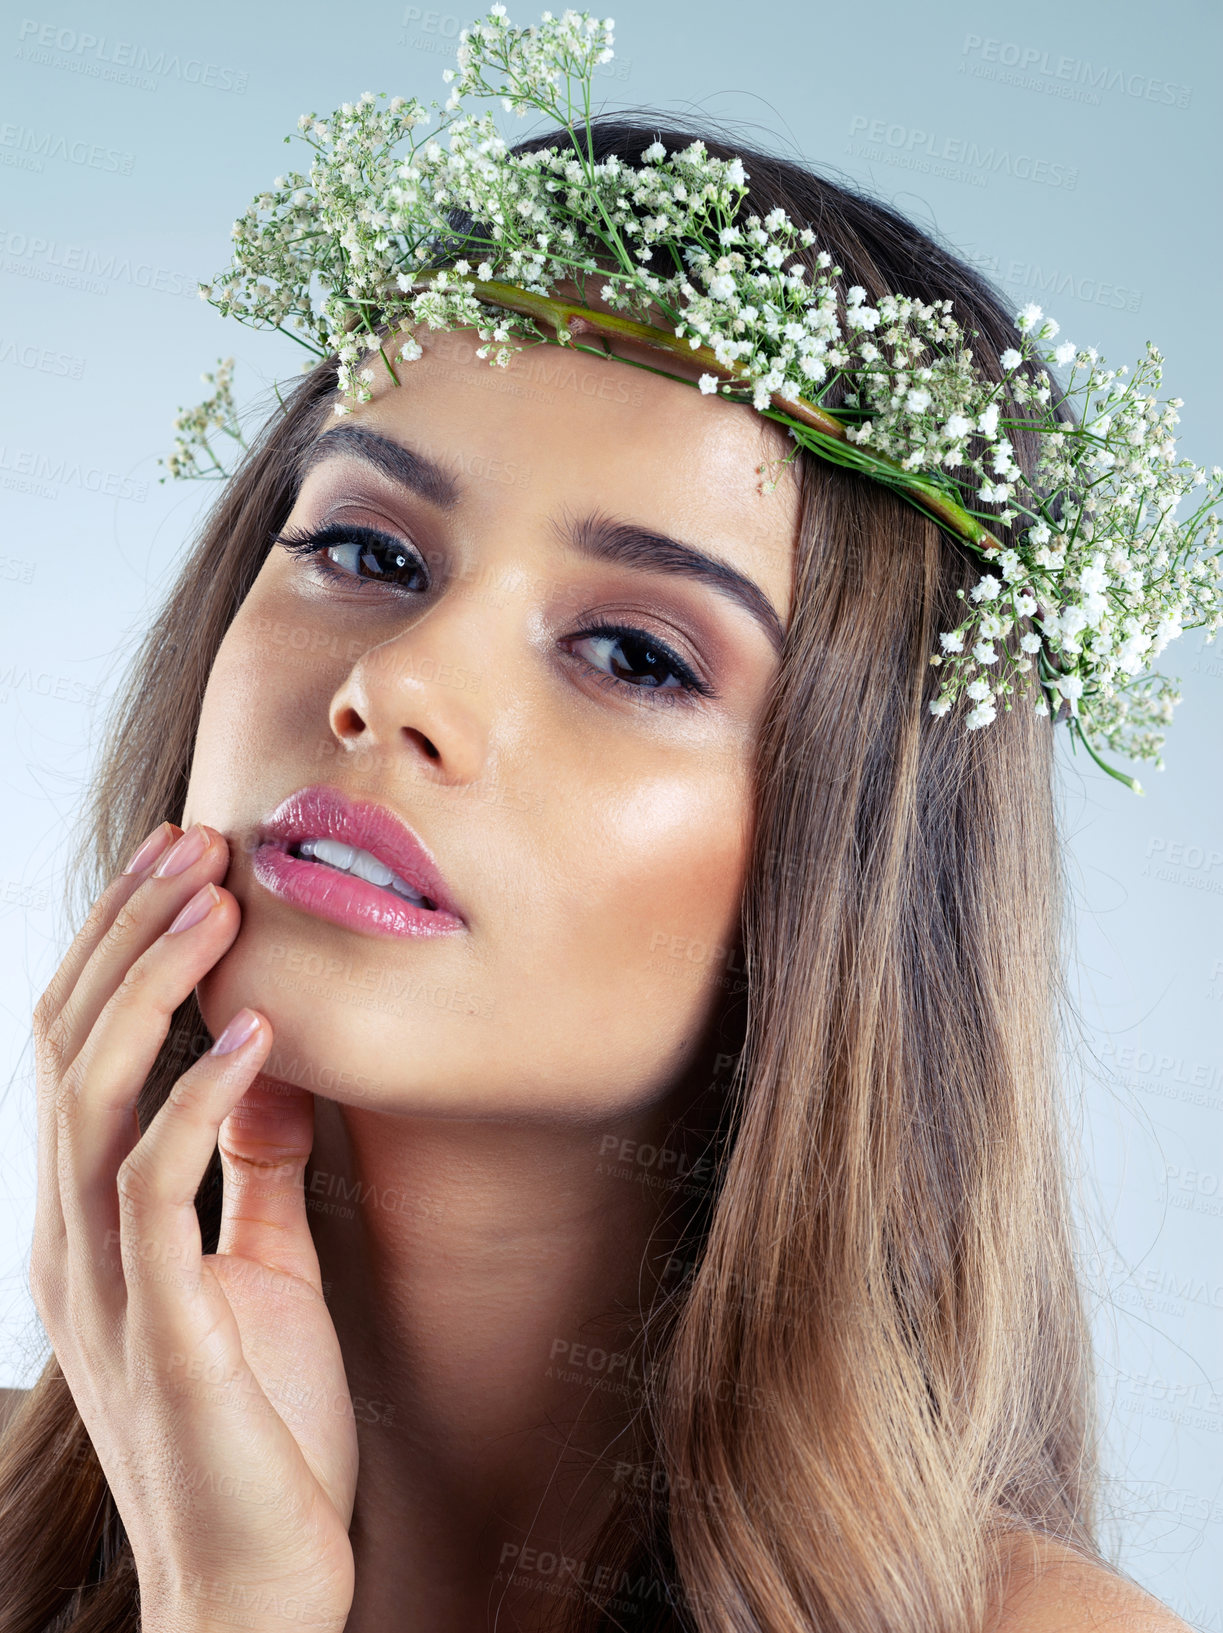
point(200, 905)
point(151, 849)
point(243, 1026)
point(189, 849)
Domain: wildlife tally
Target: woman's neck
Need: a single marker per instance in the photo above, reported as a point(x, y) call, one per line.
point(486, 1281)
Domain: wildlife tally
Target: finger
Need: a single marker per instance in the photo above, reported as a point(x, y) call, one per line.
point(97, 1119)
point(140, 919)
point(48, 1038)
point(265, 1143)
point(159, 1243)
point(101, 915)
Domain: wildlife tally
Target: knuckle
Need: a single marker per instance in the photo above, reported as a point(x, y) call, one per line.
point(46, 1009)
point(70, 1085)
point(53, 1044)
point(66, 1094)
point(99, 911)
point(134, 1183)
point(46, 1283)
point(126, 921)
point(190, 1092)
point(95, 922)
point(121, 938)
point(136, 991)
point(135, 980)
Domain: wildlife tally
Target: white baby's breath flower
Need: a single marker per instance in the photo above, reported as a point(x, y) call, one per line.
point(1071, 687)
point(346, 251)
point(987, 588)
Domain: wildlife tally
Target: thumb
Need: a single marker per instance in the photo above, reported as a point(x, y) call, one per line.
point(265, 1142)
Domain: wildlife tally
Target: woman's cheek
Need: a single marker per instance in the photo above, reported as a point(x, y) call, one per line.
point(639, 950)
point(265, 707)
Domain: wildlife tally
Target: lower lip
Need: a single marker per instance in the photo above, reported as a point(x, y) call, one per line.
point(343, 899)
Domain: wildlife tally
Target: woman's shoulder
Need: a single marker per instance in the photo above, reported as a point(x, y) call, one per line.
point(1050, 1588)
point(1046, 1586)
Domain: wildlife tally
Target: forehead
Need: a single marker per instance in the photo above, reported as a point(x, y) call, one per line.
point(559, 431)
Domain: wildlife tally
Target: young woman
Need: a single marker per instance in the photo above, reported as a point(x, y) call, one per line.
point(628, 1188)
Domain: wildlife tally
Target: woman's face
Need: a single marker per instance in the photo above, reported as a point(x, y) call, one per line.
point(591, 828)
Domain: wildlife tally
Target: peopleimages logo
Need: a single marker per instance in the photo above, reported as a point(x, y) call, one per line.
point(127, 62)
point(26, 148)
point(1037, 69)
point(31, 355)
point(82, 266)
point(28, 471)
point(1032, 277)
point(960, 158)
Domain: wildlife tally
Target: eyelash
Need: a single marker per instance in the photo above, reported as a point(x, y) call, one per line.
point(314, 546)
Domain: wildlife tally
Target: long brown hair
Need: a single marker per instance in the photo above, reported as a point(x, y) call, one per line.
point(873, 1359)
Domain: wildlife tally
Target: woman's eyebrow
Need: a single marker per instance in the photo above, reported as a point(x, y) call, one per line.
point(407, 466)
point(597, 536)
point(603, 538)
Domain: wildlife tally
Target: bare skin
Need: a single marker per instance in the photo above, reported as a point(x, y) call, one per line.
point(1047, 1587)
point(185, 1370)
point(384, 1390)
point(582, 827)
point(476, 1298)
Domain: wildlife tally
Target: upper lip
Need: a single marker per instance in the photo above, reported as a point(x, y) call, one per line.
point(322, 812)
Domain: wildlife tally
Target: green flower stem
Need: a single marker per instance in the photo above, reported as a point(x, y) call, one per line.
point(560, 316)
point(1076, 734)
point(1089, 483)
point(387, 361)
point(257, 323)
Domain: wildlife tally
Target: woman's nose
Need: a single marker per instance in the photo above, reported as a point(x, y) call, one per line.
point(421, 694)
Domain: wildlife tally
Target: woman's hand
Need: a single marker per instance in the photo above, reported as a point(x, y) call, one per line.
point(212, 1387)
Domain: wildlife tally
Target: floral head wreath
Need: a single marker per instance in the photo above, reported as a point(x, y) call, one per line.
point(350, 257)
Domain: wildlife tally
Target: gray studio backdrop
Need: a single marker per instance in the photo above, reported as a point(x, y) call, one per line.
point(1068, 150)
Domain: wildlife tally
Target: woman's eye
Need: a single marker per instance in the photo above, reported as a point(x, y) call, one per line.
point(628, 660)
point(344, 551)
point(635, 659)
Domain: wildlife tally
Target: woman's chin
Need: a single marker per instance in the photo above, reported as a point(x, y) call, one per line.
point(306, 1044)
point(336, 1050)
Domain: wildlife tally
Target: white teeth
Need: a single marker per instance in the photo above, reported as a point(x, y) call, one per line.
point(348, 859)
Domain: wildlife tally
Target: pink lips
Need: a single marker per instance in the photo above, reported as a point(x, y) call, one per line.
point(322, 812)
